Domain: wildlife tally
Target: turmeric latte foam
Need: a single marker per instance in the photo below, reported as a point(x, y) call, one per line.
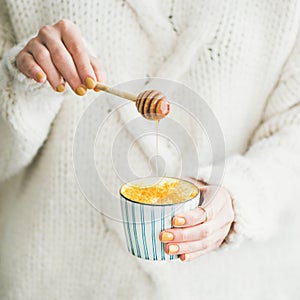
point(162, 191)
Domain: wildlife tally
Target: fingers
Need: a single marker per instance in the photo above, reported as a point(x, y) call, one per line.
point(190, 256)
point(65, 65)
point(192, 236)
point(97, 67)
point(61, 58)
point(58, 55)
point(201, 230)
point(28, 66)
point(193, 233)
point(211, 242)
point(189, 218)
point(98, 70)
point(198, 232)
point(71, 38)
point(215, 198)
point(43, 58)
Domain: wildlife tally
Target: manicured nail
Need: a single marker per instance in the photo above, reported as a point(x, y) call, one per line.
point(89, 82)
point(40, 76)
point(184, 257)
point(173, 249)
point(80, 91)
point(178, 221)
point(60, 88)
point(166, 236)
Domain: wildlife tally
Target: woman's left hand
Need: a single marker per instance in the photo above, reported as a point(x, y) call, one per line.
point(203, 229)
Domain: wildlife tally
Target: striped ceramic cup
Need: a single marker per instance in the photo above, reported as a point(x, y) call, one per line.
point(148, 206)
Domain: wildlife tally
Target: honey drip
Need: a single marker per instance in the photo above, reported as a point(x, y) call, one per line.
point(156, 156)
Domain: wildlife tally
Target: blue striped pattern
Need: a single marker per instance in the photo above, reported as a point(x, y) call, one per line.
point(135, 232)
point(153, 234)
point(123, 203)
point(144, 232)
point(128, 229)
point(143, 223)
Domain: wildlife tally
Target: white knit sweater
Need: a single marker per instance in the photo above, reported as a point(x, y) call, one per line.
point(243, 58)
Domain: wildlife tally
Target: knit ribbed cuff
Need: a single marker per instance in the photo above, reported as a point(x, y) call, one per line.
point(28, 107)
point(9, 60)
point(248, 196)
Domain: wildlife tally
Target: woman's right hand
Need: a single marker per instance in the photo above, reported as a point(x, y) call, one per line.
point(58, 54)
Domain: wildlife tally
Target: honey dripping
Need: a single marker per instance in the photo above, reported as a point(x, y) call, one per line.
point(154, 106)
point(151, 104)
point(156, 156)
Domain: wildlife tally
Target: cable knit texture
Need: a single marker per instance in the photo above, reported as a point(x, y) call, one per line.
point(243, 58)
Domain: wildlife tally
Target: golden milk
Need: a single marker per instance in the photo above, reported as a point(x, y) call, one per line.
point(165, 191)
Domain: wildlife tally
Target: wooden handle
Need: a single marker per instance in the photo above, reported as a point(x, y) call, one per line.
point(151, 104)
point(107, 89)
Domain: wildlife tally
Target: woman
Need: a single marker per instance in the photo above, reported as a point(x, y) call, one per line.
point(243, 58)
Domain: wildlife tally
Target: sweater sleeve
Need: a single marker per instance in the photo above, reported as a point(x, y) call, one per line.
point(27, 108)
point(264, 181)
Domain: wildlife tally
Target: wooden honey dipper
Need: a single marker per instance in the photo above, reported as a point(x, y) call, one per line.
point(151, 104)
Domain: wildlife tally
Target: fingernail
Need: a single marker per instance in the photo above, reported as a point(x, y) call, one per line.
point(96, 89)
point(178, 221)
point(60, 88)
point(40, 76)
point(80, 91)
point(89, 82)
point(166, 236)
point(184, 257)
point(173, 249)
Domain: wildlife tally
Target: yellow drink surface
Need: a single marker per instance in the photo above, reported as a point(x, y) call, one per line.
point(165, 191)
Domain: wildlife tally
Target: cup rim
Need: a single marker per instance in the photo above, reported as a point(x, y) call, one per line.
point(167, 204)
